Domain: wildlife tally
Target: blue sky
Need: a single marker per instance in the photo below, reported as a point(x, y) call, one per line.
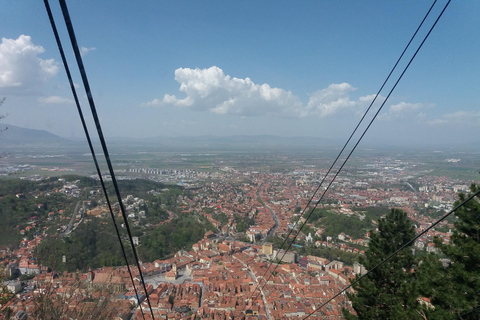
point(245, 67)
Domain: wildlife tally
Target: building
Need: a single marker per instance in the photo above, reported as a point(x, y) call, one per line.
point(209, 235)
point(225, 248)
point(135, 241)
point(267, 249)
point(359, 269)
point(14, 286)
point(285, 256)
point(172, 274)
point(105, 281)
point(28, 266)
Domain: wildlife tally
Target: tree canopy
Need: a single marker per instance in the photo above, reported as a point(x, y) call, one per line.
point(389, 291)
point(168, 238)
point(454, 290)
point(94, 244)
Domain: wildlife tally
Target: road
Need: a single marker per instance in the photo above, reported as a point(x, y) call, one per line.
point(272, 230)
point(293, 195)
point(70, 224)
point(258, 192)
point(409, 185)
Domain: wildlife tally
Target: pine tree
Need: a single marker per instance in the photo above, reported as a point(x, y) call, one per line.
point(455, 290)
point(390, 291)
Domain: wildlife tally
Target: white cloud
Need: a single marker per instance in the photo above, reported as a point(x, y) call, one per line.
point(54, 100)
point(211, 90)
point(154, 102)
point(404, 110)
point(84, 50)
point(458, 117)
point(334, 99)
point(404, 106)
point(20, 65)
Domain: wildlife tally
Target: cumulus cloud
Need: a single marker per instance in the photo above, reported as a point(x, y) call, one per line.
point(85, 50)
point(20, 65)
point(404, 106)
point(54, 100)
point(334, 99)
point(458, 117)
point(403, 110)
point(213, 91)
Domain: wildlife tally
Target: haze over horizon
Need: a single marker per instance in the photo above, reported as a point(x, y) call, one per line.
point(227, 69)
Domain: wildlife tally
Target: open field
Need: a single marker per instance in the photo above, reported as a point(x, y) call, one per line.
point(56, 160)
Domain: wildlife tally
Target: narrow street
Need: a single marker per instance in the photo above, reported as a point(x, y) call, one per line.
point(293, 195)
point(274, 216)
point(267, 310)
point(272, 230)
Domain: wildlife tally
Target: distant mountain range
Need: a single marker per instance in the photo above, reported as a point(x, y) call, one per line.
point(19, 135)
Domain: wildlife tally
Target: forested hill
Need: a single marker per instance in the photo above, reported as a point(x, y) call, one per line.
point(45, 208)
point(30, 208)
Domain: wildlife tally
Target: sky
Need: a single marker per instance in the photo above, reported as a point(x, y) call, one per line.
point(284, 68)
